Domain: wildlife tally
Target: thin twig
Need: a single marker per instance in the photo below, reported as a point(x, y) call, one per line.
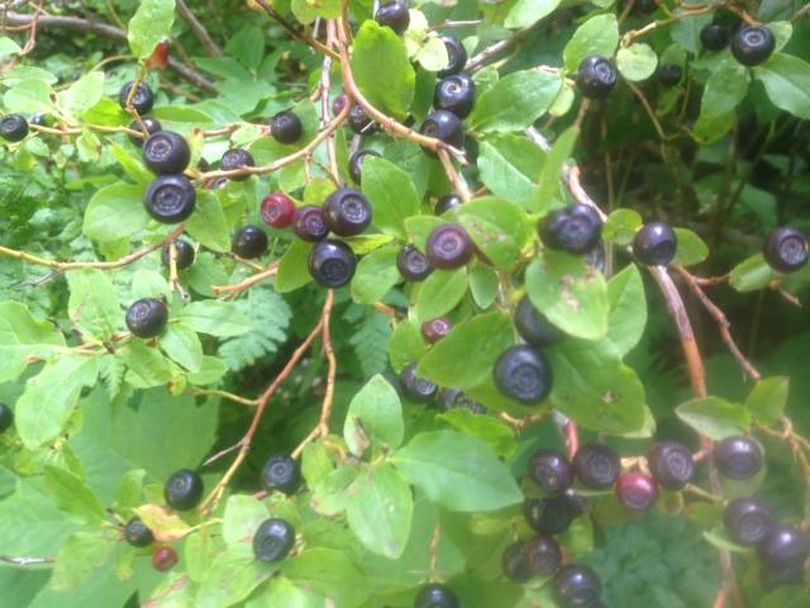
point(235, 290)
point(198, 29)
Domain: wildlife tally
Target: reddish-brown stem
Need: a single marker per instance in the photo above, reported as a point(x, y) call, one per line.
point(236, 289)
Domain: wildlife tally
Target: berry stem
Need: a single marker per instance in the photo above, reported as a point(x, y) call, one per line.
point(236, 289)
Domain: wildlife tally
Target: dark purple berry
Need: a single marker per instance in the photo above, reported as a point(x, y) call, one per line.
point(549, 515)
point(278, 210)
point(670, 74)
point(597, 466)
point(436, 595)
point(456, 55)
point(6, 417)
point(786, 249)
point(360, 122)
point(249, 242)
point(786, 548)
point(356, 163)
point(515, 563)
point(418, 390)
point(184, 254)
point(394, 15)
point(150, 123)
point(137, 534)
point(636, 491)
point(671, 465)
point(552, 471)
point(655, 244)
point(170, 199)
point(738, 457)
point(449, 247)
point(166, 153)
point(273, 540)
point(543, 554)
point(13, 127)
point(753, 44)
point(455, 94)
point(524, 374)
point(412, 264)
point(748, 521)
point(348, 212)
point(332, 264)
point(575, 229)
point(146, 318)
point(714, 37)
point(142, 101)
point(596, 77)
point(534, 327)
point(183, 490)
point(445, 203)
point(237, 158)
point(577, 586)
point(310, 223)
point(281, 473)
point(436, 329)
point(286, 127)
point(444, 126)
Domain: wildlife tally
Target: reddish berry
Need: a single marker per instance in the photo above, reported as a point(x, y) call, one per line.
point(636, 491)
point(164, 559)
point(278, 210)
point(436, 329)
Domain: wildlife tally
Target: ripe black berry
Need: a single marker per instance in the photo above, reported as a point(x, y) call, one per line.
point(786, 249)
point(456, 55)
point(6, 417)
point(714, 37)
point(164, 559)
point(435, 595)
point(40, 120)
point(332, 263)
point(515, 563)
point(655, 244)
point(436, 329)
point(451, 201)
point(360, 122)
point(281, 473)
point(166, 153)
point(348, 212)
point(394, 15)
point(636, 491)
point(415, 388)
point(549, 515)
point(753, 45)
point(278, 210)
point(449, 247)
point(748, 521)
point(444, 126)
point(356, 163)
point(534, 327)
point(286, 127)
point(249, 242)
point(671, 465)
point(738, 457)
point(150, 123)
point(523, 373)
point(237, 158)
point(454, 399)
point(310, 223)
point(597, 466)
point(575, 229)
point(183, 490)
point(596, 77)
point(142, 101)
point(13, 127)
point(183, 257)
point(786, 548)
point(146, 318)
point(412, 264)
point(170, 199)
point(551, 471)
point(137, 534)
point(669, 75)
point(543, 554)
point(456, 94)
point(577, 585)
point(273, 540)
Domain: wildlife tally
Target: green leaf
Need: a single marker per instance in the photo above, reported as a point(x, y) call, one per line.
point(621, 226)
point(419, 228)
point(93, 305)
point(281, 592)
point(130, 488)
point(8, 46)
point(72, 496)
point(231, 578)
point(548, 184)
point(509, 165)
point(376, 274)
point(787, 82)
point(500, 230)
point(133, 167)
point(686, 31)
point(637, 61)
point(515, 101)
point(306, 11)
point(767, 400)
point(752, 274)
point(79, 558)
point(484, 286)
point(243, 514)
point(146, 365)
point(691, 248)
point(211, 370)
point(330, 573)
point(247, 45)
point(29, 96)
point(526, 12)
point(440, 293)
point(208, 224)
point(115, 212)
point(715, 417)
point(726, 87)
point(599, 35)
point(182, 345)
point(83, 94)
point(392, 195)
point(378, 50)
point(628, 309)
point(492, 431)
point(222, 319)
point(374, 417)
point(380, 510)
point(151, 24)
point(459, 472)
point(406, 346)
point(293, 267)
point(23, 336)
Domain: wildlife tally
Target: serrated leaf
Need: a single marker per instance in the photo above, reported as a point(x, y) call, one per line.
point(22, 336)
point(93, 304)
point(222, 319)
point(370, 341)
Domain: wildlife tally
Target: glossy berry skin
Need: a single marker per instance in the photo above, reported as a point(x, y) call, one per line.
point(524, 374)
point(310, 224)
point(596, 77)
point(278, 210)
point(332, 264)
point(597, 466)
point(249, 242)
point(412, 264)
point(273, 540)
point(40, 120)
point(151, 124)
point(415, 388)
point(142, 101)
point(671, 465)
point(575, 229)
point(166, 153)
point(449, 247)
point(394, 15)
point(170, 199)
point(281, 473)
point(286, 127)
point(164, 559)
point(454, 399)
point(13, 128)
point(146, 318)
point(714, 37)
point(543, 554)
point(655, 244)
point(738, 457)
point(669, 75)
point(237, 158)
point(183, 257)
point(786, 249)
point(515, 563)
point(183, 490)
point(436, 595)
point(753, 45)
point(748, 521)
point(549, 515)
point(348, 212)
point(552, 471)
point(444, 126)
point(356, 164)
point(445, 203)
point(786, 548)
point(456, 94)
point(436, 329)
point(360, 122)
point(636, 491)
point(137, 534)
point(577, 585)
point(456, 55)
point(6, 417)
point(533, 327)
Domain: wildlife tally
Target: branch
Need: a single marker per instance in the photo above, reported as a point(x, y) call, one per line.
point(293, 32)
point(198, 29)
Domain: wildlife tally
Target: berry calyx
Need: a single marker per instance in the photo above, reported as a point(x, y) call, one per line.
point(332, 264)
point(752, 45)
point(278, 210)
point(360, 122)
point(543, 554)
point(445, 203)
point(142, 101)
point(456, 56)
point(436, 329)
point(150, 123)
point(714, 37)
point(738, 457)
point(146, 318)
point(435, 595)
point(636, 491)
point(356, 163)
point(455, 94)
point(183, 257)
point(249, 242)
point(575, 229)
point(524, 374)
point(13, 128)
point(552, 471)
point(310, 223)
point(786, 249)
point(786, 548)
point(137, 534)
point(454, 399)
point(273, 540)
point(671, 465)
point(286, 127)
point(166, 153)
point(655, 244)
point(669, 75)
point(596, 77)
point(515, 563)
point(164, 559)
point(183, 490)
point(418, 390)
point(394, 15)
point(170, 199)
point(577, 585)
point(549, 515)
point(597, 466)
point(444, 126)
point(449, 247)
point(237, 158)
point(412, 264)
point(6, 417)
point(748, 521)
point(534, 327)
point(281, 473)
point(348, 212)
